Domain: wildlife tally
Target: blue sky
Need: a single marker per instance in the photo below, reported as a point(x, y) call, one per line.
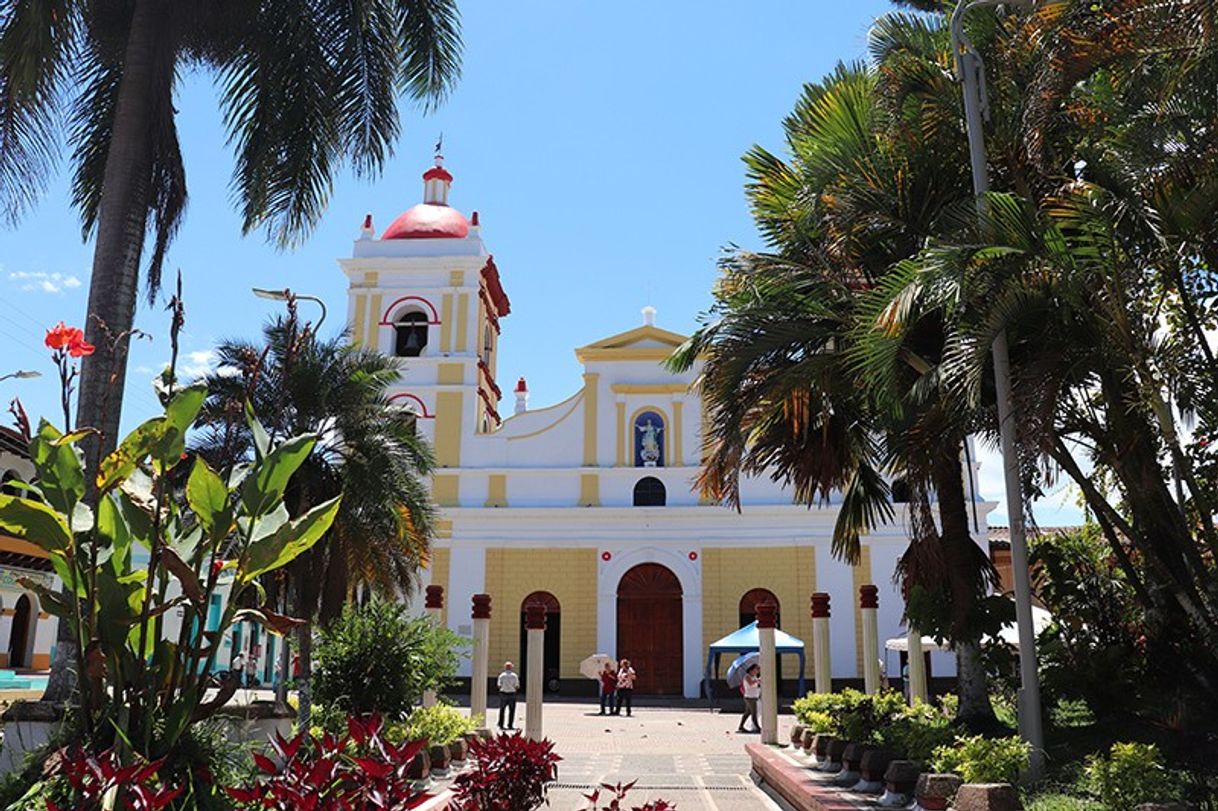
point(600, 143)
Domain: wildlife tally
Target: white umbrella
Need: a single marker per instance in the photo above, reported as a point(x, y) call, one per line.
point(594, 664)
point(735, 673)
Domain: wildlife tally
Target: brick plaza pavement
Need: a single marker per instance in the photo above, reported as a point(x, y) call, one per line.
point(691, 757)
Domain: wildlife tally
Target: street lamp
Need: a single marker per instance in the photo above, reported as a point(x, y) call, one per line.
point(21, 374)
point(286, 294)
point(971, 72)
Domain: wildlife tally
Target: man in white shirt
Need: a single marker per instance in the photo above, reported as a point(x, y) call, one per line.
point(509, 684)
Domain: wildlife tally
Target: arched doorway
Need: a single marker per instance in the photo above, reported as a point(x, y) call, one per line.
point(551, 646)
point(649, 625)
point(753, 598)
point(19, 637)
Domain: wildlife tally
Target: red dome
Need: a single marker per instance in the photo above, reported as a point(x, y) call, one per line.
point(428, 221)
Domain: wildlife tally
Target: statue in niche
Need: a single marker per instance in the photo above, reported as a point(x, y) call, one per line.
point(649, 439)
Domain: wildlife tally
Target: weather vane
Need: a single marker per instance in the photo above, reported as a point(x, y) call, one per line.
point(440, 144)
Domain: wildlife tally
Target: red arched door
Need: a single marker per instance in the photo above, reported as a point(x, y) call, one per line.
point(649, 628)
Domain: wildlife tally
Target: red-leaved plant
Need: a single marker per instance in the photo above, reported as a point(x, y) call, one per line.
point(511, 773)
point(91, 778)
point(619, 792)
point(360, 771)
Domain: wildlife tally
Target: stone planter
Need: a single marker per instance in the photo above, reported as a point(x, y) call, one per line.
point(440, 758)
point(27, 726)
point(834, 752)
point(900, 779)
point(797, 735)
point(820, 748)
point(934, 791)
point(419, 770)
point(987, 797)
point(808, 741)
point(871, 771)
point(852, 764)
point(458, 750)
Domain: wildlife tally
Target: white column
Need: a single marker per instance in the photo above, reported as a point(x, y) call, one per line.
point(535, 621)
point(869, 604)
point(482, 634)
point(917, 666)
point(434, 605)
point(821, 666)
point(769, 672)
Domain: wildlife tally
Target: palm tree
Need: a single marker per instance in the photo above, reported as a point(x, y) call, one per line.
point(306, 87)
point(369, 453)
point(796, 385)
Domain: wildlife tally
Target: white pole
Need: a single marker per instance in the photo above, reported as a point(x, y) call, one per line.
point(766, 621)
point(482, 633)
point(434, 605)
point(869, 603)
point(917, 666)
point(535, 621)
point(971, 72)
point(821, 667)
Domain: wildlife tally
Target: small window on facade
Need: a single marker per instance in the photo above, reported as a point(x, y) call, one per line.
point(411, 336)
point(649, 492)
point(488, 345)
point(649, 440)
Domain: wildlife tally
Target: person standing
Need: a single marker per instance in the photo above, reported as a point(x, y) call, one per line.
point(237, 666)
point(625, 687)
point(608, 688)
point(751, 689)
point(508, 684)
point(251, 669)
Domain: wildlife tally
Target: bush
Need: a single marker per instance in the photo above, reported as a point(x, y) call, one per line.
point(360, 771)
point(849, 714)
point(440, 725)
point(1131, 774)
point(375, 659)
point(917, 731)
point(978, 759)
point(617, 795)
point(510, 771)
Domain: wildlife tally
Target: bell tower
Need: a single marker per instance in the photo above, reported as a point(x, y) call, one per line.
point(428, 292)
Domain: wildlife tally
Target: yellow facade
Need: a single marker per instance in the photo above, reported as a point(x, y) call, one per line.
point(787, 571)
point(438, 569)
point(568, 574)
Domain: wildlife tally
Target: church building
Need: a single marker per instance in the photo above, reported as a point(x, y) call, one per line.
point(587, 505)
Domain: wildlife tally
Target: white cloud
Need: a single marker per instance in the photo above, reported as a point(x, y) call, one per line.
point(199, 363)
point(39, 282)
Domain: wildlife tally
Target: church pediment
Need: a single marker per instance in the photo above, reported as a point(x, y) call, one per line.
point(647, 342)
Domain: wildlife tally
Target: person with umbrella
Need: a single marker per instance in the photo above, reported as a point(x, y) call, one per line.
point(608, 687)
point(750, 688)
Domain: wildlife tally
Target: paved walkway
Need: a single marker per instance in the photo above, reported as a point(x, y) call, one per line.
point(693, 758)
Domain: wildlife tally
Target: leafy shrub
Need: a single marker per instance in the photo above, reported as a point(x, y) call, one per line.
point(820, 712)
point(917, 731)
point(440, 725)
point(1131, 774)
point(618, 793)
point(360, 771)
point(510, 772)
point(978, 759)
point(375, 659)
point(90, 778)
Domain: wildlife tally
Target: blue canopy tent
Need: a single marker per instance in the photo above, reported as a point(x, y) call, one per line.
point(747, 640)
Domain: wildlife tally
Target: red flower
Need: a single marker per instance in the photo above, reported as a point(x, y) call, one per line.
point(70, 338)
point(217, 566)
point(78, 347)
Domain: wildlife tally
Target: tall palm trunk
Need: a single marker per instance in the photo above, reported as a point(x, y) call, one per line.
point(113, 287)
point(964, 571)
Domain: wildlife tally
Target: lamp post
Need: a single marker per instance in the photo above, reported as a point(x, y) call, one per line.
point(971, 72)
point(21, 374)
point(286, 294)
